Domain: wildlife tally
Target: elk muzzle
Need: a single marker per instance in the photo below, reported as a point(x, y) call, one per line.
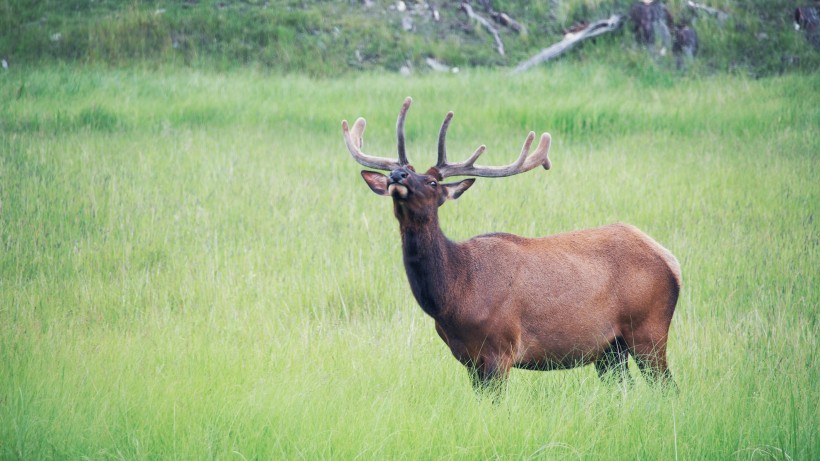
point(396, 188)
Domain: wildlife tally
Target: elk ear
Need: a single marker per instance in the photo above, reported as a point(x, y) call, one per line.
point(455, 189)
point(376, 181)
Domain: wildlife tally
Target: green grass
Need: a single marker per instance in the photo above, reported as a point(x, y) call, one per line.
point(192, 268)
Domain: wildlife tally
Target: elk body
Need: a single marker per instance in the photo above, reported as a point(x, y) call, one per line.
point(501, 301)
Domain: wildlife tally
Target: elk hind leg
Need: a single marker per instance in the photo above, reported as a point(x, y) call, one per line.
point(650, 355)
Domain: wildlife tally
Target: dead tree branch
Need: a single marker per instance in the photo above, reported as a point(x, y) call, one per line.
point(721, 16)
point(487, 25)
point(593, 30)
point(505, 20)
point(502, 18)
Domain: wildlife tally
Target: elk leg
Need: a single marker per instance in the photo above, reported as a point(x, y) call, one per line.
point(488, 376)
point(651, 359)
point(613, 363)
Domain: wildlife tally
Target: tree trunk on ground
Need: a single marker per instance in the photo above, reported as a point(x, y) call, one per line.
point(593, 30)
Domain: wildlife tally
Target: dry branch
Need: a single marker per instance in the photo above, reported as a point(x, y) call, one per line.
point(487, 25)
point(505, 20)
point(722, 16)
point(596, 28)
point(437, 66)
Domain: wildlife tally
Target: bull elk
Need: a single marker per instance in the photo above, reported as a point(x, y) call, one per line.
point(501, 301)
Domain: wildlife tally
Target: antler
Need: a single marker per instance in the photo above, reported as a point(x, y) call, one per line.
point(525, 162)
point(354, 142)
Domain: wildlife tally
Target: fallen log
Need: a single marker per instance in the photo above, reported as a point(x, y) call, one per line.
point(592, 30)
point(437, 66)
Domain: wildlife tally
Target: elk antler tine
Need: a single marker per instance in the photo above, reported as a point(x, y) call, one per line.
point(540, 156)
point(470, 161)
point(525, 161)
point(346, 133)
point(400, 130)
point(544, 146)
point(357, 133)
point(442, 134)
point(525, 151)
point(354, 140)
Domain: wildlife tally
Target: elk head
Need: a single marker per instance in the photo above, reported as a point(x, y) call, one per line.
point(417, 196)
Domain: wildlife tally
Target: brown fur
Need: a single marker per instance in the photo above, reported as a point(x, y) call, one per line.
point(501, 301)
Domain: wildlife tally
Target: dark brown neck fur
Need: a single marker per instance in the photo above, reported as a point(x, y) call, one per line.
point(428, 260)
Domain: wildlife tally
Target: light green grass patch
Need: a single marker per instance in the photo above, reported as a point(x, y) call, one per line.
point(191, 266)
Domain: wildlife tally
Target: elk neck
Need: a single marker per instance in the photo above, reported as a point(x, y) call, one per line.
point(431, 261)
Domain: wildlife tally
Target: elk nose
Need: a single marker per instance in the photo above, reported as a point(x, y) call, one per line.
point(398, 175)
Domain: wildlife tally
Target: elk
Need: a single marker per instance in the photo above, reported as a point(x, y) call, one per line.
point(501, 301)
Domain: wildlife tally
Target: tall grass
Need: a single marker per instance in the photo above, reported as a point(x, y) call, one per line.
point(190, 266)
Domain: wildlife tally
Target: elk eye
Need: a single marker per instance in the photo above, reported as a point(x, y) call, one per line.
point(433, 183)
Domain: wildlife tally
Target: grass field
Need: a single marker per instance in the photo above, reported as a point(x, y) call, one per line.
point(192, 268)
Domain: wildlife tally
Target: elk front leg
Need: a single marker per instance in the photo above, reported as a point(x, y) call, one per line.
point(488, 369)
point(489, 375)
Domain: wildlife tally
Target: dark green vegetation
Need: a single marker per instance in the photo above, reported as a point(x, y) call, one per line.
point(192, 268)
point(326, 38)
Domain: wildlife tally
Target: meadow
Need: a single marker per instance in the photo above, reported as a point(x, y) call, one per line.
point(192, 268)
